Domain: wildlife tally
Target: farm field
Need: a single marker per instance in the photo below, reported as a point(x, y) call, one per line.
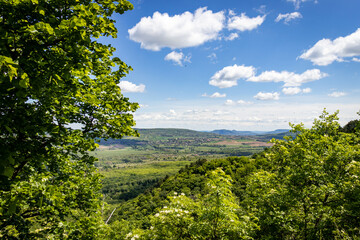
point(130, 166)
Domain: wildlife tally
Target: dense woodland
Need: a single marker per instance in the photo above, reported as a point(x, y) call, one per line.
point(54, 74)
point(304, 187)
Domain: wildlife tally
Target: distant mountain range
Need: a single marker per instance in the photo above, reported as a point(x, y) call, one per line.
point(247, 133)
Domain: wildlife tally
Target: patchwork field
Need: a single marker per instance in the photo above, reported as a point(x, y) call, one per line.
point(130, 166)
point(246, 143)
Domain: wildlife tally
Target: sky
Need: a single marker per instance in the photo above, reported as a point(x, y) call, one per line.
point(242, 65)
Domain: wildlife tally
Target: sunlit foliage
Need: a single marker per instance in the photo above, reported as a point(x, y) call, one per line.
point(56, 77)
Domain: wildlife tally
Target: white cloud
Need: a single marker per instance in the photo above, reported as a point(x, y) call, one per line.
point(212, 57)
point(127, 86)
point(218, 95)
point(267, 96)
point(178, 31)
point(287, 17)
point(228, 76)
point(229, 102)
point(326, 51)
point(172, 112)
point(231, 13)
point(272, 115)
point(298, 2)
point(244, 23)
point(175, 57)
point(255, 119)
point(242, 102)
point(356, 59)
point(261, 9)
point(214, 95)
point(306, 90)
point(232, 36)
point(291, 90)
point(143, 105)
point(295, 90)
point(290, 79)
point(337, 94)
point(187, 58)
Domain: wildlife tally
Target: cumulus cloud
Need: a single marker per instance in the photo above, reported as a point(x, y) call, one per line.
point(228, 76)
point(295, 90)
point(356, 59)
point(326, 51)
point(287, 17)
point(232, 36)
point(232, 13)
point(215, 95)
point(172, 112)
point(291, 90)
point(337, 94)
point(273, 115)
point(229, 102)
point(127, 86)
point(290, 79)
point(178, 31)
point(267, 96)
point(244, 23)
point(306, 90)
point(242, 102)
point(167, 116)
point(177, 57)
point(218, 95)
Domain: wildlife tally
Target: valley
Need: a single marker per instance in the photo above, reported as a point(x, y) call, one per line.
point(132, 165)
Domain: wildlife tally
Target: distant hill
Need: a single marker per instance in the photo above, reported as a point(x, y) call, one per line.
point(248, 133)
point(168, 134)
point(277, 131)
point(277, 135)
point(151, 133)
point(158, 134)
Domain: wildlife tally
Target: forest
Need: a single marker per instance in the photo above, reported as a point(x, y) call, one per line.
point(107, 180)
point(303, 187)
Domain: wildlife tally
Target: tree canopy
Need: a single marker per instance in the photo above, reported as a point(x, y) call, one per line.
point(312, 189)
point(303, 187)
point(58, 92)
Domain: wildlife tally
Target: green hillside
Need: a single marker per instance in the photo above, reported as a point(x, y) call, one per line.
point(302, 188)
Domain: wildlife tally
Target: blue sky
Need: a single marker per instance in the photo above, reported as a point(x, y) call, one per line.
point(244, 65)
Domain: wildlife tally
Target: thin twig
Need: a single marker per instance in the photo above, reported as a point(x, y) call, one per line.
point(110, 216)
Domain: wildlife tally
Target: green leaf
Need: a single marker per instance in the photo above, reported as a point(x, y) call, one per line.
point(57, 76)
point(12, 207)
point(24, 81)
point(8, 171)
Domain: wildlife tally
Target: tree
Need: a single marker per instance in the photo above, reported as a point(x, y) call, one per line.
point(351, 127)
point(55, 75)
point(313, 188)
point(213, 216)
